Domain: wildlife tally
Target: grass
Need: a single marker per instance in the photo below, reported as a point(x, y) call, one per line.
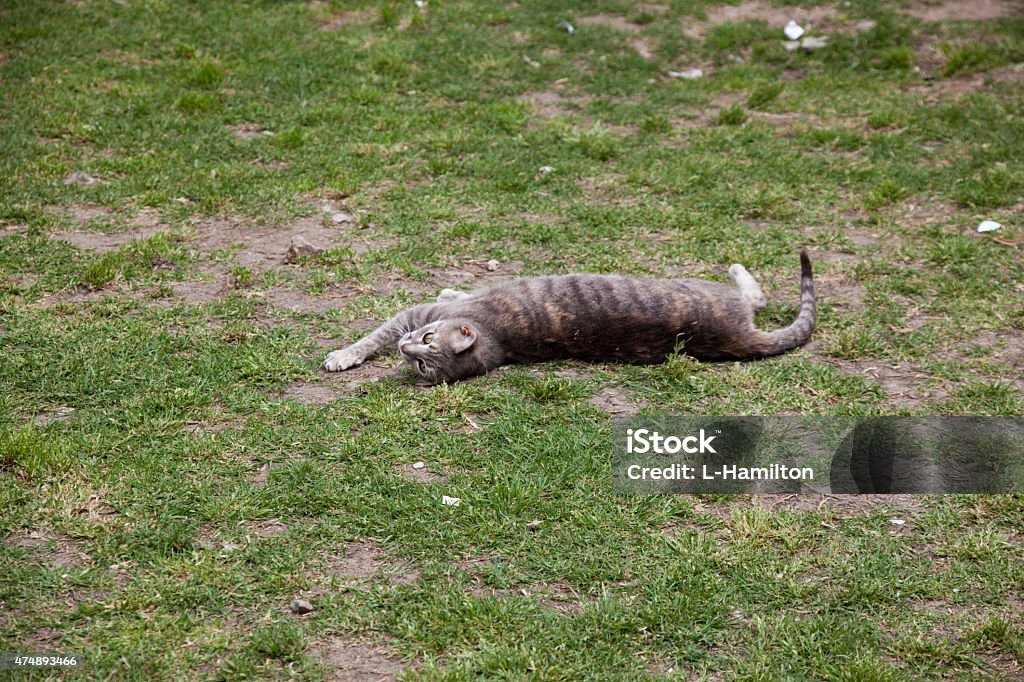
point(175, 470)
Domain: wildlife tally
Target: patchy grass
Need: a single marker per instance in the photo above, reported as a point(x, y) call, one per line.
point(175, 470)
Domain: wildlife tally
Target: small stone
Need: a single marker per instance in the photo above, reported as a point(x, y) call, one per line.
point(301, 606)
point(812, 43)
point(534, 525)
point(418, 465)
point(300, 247)
point(897, 522)
point(546, 170)
point(988, 226)
point(688, 75)
point(531, 62)
point(791, 45)
point(866, 25)
point(567, 27)
point(229, 547)
point(80, 178)
point(492, 265)
point(793, 30)
point(341, 217)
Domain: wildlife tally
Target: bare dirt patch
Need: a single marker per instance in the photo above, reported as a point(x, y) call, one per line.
point(105, 241)
point(364, 560)
point(195, 292)
point(549, 105)
point(361, 560)
point(249, 131)
point(841, 506)
point(614, 21)
point(957, 10)
point(264, 248)
point(369, 372)
point(349, 659)
point(146, 223)
point(616, 402)
point(207, 428)
point(82, 213)
point(643, 47)
point(422, 475)
point(329, 20)
point(266, 529)
point(58, 549)
point(902, 383)
point(61, 413)
point(774, 17)
point(310, 394)
point(272, 164)
point(298, 301)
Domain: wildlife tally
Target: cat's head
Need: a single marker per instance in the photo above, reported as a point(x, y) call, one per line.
point(445, 350)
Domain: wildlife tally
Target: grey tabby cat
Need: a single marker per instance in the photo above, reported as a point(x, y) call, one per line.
point(587, 317)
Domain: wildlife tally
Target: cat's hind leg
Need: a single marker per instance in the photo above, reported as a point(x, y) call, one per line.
point(750, 290)
point(449, 295)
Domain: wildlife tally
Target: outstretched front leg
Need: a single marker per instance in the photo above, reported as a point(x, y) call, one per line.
point(385, 336)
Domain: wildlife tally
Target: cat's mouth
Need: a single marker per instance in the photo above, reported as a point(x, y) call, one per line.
point(417, 363)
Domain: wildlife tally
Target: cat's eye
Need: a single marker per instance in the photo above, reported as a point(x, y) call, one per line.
point(428, 337)
point(422, 366)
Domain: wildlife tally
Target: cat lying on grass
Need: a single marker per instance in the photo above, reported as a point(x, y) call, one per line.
point(587, 317)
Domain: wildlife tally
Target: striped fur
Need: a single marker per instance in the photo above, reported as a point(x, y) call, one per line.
point(587, 317)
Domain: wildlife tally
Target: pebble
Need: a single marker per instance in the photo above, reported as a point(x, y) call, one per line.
point(80, 178)
point(300, 247)
point(301, 606)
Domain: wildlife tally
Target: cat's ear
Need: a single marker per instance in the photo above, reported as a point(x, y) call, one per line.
point(464, 339)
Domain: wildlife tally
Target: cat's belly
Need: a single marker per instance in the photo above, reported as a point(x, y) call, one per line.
point(648, 346)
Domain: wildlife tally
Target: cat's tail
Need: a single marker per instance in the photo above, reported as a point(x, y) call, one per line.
point(798, 333)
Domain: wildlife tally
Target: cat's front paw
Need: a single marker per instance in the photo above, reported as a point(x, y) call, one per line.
point(342, 359)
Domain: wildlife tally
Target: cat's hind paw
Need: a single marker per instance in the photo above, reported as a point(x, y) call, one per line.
point(342, 359)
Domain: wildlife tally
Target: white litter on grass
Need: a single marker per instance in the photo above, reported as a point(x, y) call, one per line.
point(531, 62)
point(421, 3)
point(544, 170)
point(418, 465)
point(897, 522)
point(689, 74)
point(988, 226)
point(793, 30)
point(450, 501)
point(567, 27)
point(812, 43)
